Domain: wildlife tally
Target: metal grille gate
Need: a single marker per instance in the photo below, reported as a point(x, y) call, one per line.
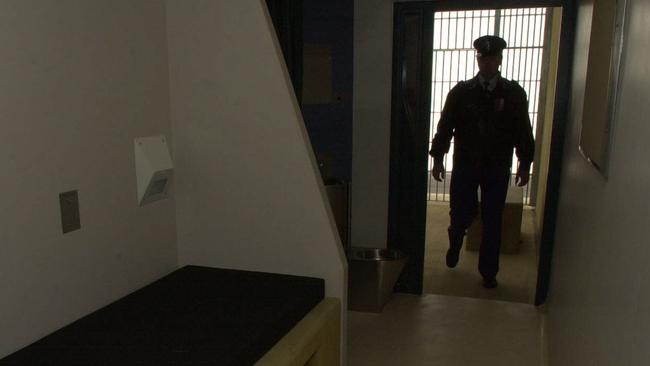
point(453, 61)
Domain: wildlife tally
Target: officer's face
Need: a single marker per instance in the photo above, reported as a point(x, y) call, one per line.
point(488, 66)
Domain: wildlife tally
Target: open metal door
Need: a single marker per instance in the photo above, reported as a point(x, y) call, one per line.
point(410, 122)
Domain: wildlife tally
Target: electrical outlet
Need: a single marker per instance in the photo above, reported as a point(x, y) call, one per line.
point(70, 219)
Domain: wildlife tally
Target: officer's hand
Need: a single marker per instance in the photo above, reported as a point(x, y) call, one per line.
point(522, 178)
point(438, 172)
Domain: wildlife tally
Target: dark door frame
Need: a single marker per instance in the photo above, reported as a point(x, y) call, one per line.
point(407, 189)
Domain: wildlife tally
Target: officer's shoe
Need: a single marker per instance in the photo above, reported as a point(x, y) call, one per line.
point(452, 257)
point(490, 282)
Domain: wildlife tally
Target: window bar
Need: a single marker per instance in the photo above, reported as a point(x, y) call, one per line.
point(533, 73)
point(511, 43)
point(519, 33)
point(511, 52)
point(456, 53)
point(431, 108)
point(497, 22)
point(431, 126)
point(458, 47)
point(429, 164)
point(530, 33)
point(532, 27)
point(485, 20)
point(447, 76)
point(452, 32)
point(462, 45)
point(541, 17)
point(521, 28)
point(465, 37)
point(513, 30)
point(538, 73)
point(473, 24)
point(508, 65)
point(534, 76)
point(471, 39)
point(529, 48)
point(439, 66)
point(442, 60)
point(516, 32)
point(504, 31)
point(458, 21)
point(438, 60)
point(442, 63)
point(517, 43)
point(435, 183)
point(445, 79)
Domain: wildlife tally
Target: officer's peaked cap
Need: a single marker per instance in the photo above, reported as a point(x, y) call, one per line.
point(489, 45)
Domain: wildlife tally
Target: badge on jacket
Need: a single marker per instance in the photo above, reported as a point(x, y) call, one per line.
point(498, 104)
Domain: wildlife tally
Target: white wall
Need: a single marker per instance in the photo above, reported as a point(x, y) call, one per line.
point(80, 80)
point(598, 301)
point(373, 50)
point(249, 195)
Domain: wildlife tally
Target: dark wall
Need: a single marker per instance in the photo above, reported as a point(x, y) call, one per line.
point(330, 125)
point(287, 16)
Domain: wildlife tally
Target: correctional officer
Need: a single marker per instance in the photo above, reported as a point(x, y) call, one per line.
point(488, 117)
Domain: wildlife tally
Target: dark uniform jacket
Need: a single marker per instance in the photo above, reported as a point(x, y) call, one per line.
point(486, 126)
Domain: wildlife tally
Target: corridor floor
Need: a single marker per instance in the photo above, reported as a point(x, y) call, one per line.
point(517, 275)
point(447, 331)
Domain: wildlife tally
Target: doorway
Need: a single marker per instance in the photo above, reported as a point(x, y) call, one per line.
point(433, 51)
point(530, 59)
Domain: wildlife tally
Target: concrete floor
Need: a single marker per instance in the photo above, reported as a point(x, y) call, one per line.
point(517, 275)
point(457, 321)
point(448, 331)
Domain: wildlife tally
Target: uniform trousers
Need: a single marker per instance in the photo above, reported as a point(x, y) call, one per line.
point(465, 181)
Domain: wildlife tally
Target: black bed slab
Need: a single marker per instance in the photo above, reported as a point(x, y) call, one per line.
point(193, 316)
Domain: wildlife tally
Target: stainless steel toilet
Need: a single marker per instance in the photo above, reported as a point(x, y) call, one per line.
point(372, 274)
